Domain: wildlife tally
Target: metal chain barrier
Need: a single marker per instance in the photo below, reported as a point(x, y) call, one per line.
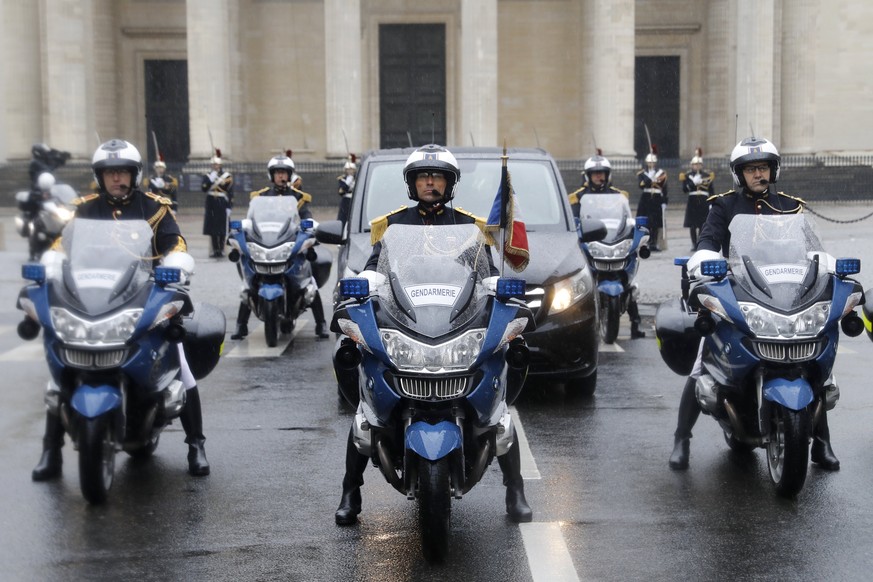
point(836, 221)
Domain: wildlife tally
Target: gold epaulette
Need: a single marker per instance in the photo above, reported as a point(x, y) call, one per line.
point(255, 193)
point(379, 225)
point(714, 196)
point(480, 222)
point(681, 176)
point(574, 196)
point(159, 199)
point(302, 198)
point(800, 201)
point(624, 192)
point(83, 199)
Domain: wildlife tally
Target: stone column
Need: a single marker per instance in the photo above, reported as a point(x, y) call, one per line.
point(343, 90)
point(67, 75)
point(610, 56)
point(798, 80)
point(758, 69)
point(718, 109)
point(478, 78)
point(209, 76)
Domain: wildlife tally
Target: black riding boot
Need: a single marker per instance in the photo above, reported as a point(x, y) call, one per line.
point(350, 503)
point(318, 315)
point(516, 505)
point(217, 246)
point(49, 466)
point(242, 321)
point(689, 410)
point(634, 313)
point(693, 231)
point(653, 238)
point(192, 422)
point(822, 453)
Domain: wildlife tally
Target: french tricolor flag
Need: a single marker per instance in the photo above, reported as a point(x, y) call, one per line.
point(506, 218)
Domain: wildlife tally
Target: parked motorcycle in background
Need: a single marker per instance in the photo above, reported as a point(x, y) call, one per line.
point(111, 328)
point(770, 318)
point(614, 259)
point(43, 213)
point(274, 251)
point(434, 356)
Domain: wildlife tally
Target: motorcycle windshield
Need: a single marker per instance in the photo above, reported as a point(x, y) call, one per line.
point(107, 261)
point(611, 209)
point(772, 257)
point(64, 193)
point(274, 220)
point(433, 276)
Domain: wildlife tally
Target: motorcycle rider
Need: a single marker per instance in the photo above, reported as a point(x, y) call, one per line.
point(598, 180)
point(163, 184)
point(653, 202)
point(754, 166)
point(117, 167)
point(280, 169)
point(218, 185)
point(346, 185)
point(698, 184)
point(431, 174)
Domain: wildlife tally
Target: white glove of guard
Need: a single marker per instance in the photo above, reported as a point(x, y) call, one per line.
point(663, 207)
point(227, 210)
point(490, 285)
point(54, 263)
point(698, 257)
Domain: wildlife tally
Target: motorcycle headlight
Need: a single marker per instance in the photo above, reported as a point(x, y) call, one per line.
point(65, 214)
point(570, 290)
point(275, 255)
point(767, 324)
point(116, 329)
point(619, 250)
point(456, 355)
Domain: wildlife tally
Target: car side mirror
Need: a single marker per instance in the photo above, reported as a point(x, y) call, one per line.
point(330, 232)
point(592, 230)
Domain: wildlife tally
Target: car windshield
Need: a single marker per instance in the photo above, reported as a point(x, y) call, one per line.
point(611, 209)
point(274, 219)
point(433, 276)
point(771, 256)
point(107, 261)
point(534, 183)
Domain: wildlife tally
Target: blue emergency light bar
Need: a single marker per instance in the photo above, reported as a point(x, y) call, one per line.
point(846, 267)
point(167, 275)
point(306, 224)
point(508, 287)
point(33, 272)
point(354, 287)
point(681, 261)
point(715, 269)
point(236, 224)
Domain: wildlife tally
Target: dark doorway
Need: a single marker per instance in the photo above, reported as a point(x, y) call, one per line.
point(656, 104)
point(412, 84)
point(166, 92)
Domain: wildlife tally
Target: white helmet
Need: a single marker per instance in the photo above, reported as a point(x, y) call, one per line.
point(216, 159)
point(280, 162)
point(160, 164)
point(652, 158)
point(45, 181)
point(432, 157)
point(754, 149)
point(698, 157)
point(117, 153)
point(598, 163)
point(350, 163)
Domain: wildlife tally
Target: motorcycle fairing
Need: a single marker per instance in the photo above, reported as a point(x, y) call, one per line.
point(610, 287)
point(793, 394)
point(433, 441)
point(92, 401)
point(271, 291)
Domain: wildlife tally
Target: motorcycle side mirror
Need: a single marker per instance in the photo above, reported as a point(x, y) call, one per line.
point(592, 230)
point(167, 275)
point(330, 232)
point(33, 272)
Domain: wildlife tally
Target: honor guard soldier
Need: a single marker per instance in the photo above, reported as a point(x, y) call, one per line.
point(698, 184)
point(653, 202)
point(346, 185)
point(218, 185)
point(163, 184)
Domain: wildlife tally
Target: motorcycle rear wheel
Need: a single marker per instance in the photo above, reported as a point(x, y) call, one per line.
point(610, 316)
point(270, 311)
point(788, 449)
point(434, 508)
point(97, 445)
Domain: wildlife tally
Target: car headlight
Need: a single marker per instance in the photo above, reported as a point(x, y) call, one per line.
point(454, 355)
point(570, 290)
point(261, 254)
point(767, 324)
point(619, 250)
point(116, 329)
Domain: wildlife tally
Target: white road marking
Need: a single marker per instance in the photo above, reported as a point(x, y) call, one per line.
point(547, 553)
point(604, 347)
point(529, 468)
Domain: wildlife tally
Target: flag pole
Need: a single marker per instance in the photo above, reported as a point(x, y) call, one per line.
point(504, 198)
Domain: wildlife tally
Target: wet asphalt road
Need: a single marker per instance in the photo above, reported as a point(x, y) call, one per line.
point(605, 500)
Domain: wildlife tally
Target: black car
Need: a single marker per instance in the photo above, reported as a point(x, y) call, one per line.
point(561, 290)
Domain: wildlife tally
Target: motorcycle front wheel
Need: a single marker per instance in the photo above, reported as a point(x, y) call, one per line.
point(788, 449)
point(97, 445)
point(434, 508)
point(610, 316)
point(270, 311)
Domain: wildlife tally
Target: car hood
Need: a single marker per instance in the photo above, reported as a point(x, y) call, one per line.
point(553, 256)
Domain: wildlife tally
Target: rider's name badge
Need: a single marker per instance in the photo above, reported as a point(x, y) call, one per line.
point(96, 279)
point(432, 294)
point(783, 273)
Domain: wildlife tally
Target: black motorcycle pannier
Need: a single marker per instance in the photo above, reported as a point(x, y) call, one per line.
point(867, 314)
point(204, 338)
point(321, 266)
point(678, 341)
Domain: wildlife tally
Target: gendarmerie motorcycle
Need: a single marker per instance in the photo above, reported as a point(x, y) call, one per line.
point(44, 216)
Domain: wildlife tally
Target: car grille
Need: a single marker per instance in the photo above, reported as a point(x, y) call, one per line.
point(601, 265)
point(788, 352)
point(93, 360)
point(270, 268)
point(442, 388)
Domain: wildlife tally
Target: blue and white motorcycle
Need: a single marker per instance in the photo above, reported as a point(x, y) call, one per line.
point(274, 250)
point(770, 318)
point(614, 259)
point(434, 356)
point(111, 326)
